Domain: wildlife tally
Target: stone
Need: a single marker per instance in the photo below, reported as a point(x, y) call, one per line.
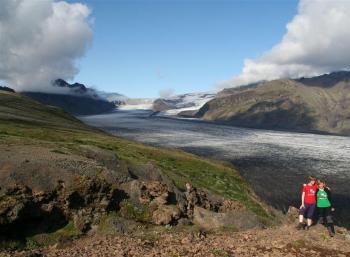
point(292, 211)
point(184, 222)
point(210, 220)
point(166, 214)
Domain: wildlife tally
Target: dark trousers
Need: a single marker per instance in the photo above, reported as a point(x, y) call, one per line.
point(325, 216)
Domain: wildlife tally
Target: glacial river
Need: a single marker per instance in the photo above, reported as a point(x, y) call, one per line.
point(275, 163)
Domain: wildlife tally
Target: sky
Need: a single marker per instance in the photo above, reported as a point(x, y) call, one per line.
point(157, 48)
point(142, 48)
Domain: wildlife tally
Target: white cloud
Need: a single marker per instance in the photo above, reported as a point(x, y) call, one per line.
point(317, 41)
point(165, 93)
point(40, 41)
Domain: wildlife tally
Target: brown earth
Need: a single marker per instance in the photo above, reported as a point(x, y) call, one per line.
point(280, 241)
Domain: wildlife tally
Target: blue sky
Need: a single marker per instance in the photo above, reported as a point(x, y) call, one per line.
point(142, 47)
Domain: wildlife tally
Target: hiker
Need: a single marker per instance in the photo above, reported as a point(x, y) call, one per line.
point(308, 203)
point(324, 207)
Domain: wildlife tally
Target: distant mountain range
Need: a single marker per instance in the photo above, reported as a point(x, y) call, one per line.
point(74, 98)
point(318, 104)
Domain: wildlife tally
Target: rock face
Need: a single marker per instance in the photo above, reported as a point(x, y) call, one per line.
point(74, 98)
point(22, 209)
point(319, 104)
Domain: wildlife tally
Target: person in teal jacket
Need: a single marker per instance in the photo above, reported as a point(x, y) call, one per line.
point(325, 207)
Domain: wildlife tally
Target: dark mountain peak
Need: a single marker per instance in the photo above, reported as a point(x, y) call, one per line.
point(60, 83)
point(74, 98)
point(77, 87)
point(3, 88)
point(326, 80)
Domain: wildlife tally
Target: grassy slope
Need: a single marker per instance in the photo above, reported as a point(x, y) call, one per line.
point(328, 108)
point(23, 121)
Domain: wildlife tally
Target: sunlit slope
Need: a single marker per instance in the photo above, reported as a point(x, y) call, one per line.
point(284, 104)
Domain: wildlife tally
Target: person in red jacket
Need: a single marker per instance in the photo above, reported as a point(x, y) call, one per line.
point(308, 203)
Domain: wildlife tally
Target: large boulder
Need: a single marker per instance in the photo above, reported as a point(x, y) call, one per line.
point(239, 220)
point(150, 173)
point(155, 195)
point(166, 214)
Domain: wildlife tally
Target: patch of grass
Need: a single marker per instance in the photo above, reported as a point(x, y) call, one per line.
point(31, 244)
point(64, 234)
point(221, 253)
point(58, 151)
point(11, 245)
point(299, 244)
point(130, 211)
point(230, 229)
point(324, 236)
point(104, 221)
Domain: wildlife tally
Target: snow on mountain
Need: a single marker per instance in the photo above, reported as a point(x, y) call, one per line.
point(116, 98)
point(137, 104)
point(186, 102)
point(164, 106)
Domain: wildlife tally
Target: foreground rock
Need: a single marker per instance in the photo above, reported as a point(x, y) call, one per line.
point(44, 191)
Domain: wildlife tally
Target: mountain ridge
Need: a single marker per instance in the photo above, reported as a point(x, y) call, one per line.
point(320, 104)
point(74, 98)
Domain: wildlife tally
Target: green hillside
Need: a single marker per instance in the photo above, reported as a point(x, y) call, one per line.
point(26, 122)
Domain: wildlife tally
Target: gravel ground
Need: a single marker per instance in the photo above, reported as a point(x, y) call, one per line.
point(281, 241)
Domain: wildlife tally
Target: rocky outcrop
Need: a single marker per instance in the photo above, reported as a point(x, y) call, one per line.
point(84, 204)
point(145, 196)
point(161, 105)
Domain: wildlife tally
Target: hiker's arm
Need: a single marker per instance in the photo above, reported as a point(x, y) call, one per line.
point(302, 200)
point(329, 193)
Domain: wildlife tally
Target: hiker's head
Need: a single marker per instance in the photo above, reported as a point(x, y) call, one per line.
point(188, 185)
point(312, 180)
point(321, 184)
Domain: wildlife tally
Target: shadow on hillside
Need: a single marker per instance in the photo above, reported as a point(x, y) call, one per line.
point(282, 114)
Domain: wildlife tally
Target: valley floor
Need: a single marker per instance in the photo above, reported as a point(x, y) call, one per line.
point(280, 241)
